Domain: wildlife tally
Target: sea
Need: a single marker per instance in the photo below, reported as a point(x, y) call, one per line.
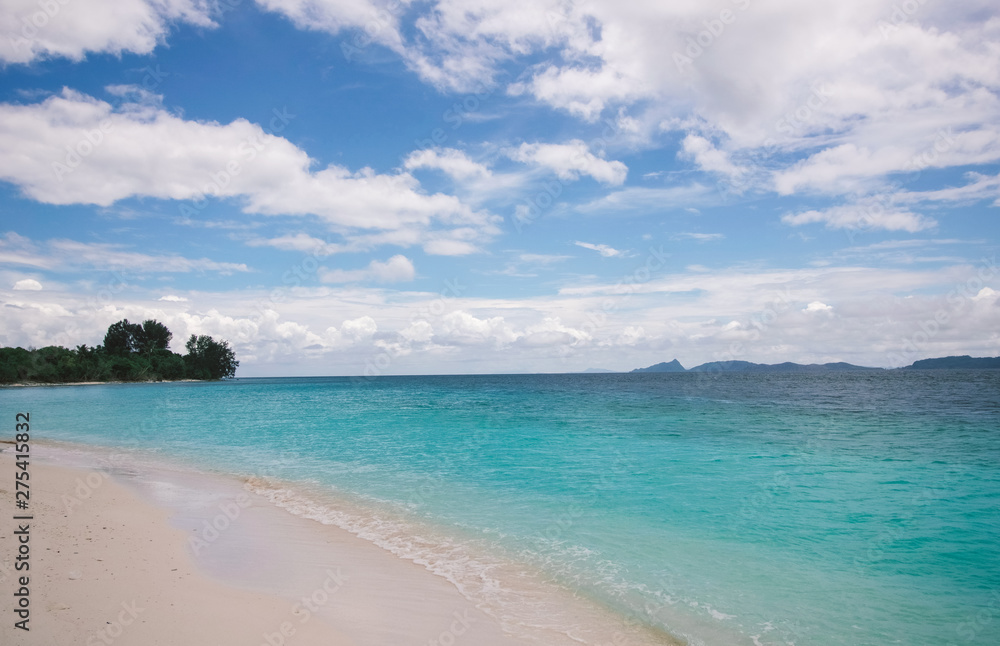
point(854, 508)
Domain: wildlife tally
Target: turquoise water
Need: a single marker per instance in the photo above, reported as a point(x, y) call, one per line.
point(772, 509)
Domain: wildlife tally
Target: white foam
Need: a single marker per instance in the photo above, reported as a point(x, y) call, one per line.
point(523, 601)
point(524, 604)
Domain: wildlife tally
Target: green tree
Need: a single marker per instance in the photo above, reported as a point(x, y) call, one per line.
point(122, 338)
point(57, 364)
point(168, 365)
point(152, 336)
point(91, 364)
point(131, 352)
point(209, 359)
point(15, 365)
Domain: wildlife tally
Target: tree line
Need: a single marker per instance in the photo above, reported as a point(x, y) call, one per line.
point(130, 352)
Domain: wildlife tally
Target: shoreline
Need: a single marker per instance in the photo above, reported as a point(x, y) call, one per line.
point(38, 384)
point(106, 567)
point(179, 542)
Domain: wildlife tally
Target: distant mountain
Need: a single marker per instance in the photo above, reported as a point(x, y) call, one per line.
point(673, 366)
point(726, 366)
point(964, 362)
point(598, 370)
point(788, 366)
point(747, 366)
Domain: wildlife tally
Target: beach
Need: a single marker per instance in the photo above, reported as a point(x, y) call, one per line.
point(181, 557)
point(107, 567)
point(568, 510)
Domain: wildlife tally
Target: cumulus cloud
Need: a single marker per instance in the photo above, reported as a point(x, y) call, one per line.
point(775, 315)
point(570, 160)
point(792, 84)
point(986, 294)
point(27, 284)
point(450, 161)
point(360, 328)
point(397, 269)
point(375, 22)
point(551, 332)
point(64, 28)
point(780, 76)
point(708, 157)
point(75, 149)
point(462, 328)
point(857, 90)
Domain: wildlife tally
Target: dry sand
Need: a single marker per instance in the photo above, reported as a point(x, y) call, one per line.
point(112, 570)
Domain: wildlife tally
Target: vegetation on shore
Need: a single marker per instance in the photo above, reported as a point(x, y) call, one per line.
point(130, 352)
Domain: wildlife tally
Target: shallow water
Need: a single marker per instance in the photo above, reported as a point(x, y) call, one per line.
point(855, 508)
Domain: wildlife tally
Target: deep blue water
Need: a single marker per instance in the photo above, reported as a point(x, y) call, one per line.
point(852, 508)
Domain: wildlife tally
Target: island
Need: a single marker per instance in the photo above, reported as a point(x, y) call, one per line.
point(131, 352)
point(964, 362)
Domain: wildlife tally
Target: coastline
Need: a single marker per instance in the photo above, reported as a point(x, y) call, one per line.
point(200, 558)
point(38, 384)
point(107, 567)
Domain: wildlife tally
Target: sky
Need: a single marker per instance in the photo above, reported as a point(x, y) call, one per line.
point(359, 187)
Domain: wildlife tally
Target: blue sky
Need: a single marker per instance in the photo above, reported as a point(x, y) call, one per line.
point(467, 186)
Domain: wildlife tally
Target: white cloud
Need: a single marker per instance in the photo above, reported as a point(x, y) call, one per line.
point(69, 254)
point(699, 237)
point(454, 163)
point(376, 22)
point(570, 160)
point(462, 328)
point(113, 256)
point(768, 313)
point(449, 247)
point(637, 198)
point(552, 332)
point(860, 96)
point(418, 331)
point(525, 265)
point(778, 76)
point(603, 249)
point(27, 284)
point(397, 269)
point(582, 91)
point(863, 216)
point(459, 241)
point(817, 306)
point(986, 293)
point(359, 328)
point(302, 242)
point(172, 298)
point(67, 28)
point(140, 150)
point(16, 249)
point(542, 258)
point(708, 157)
point(980, 187)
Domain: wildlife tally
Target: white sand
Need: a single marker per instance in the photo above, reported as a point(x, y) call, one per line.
point(107, 566)
point(154, 554)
